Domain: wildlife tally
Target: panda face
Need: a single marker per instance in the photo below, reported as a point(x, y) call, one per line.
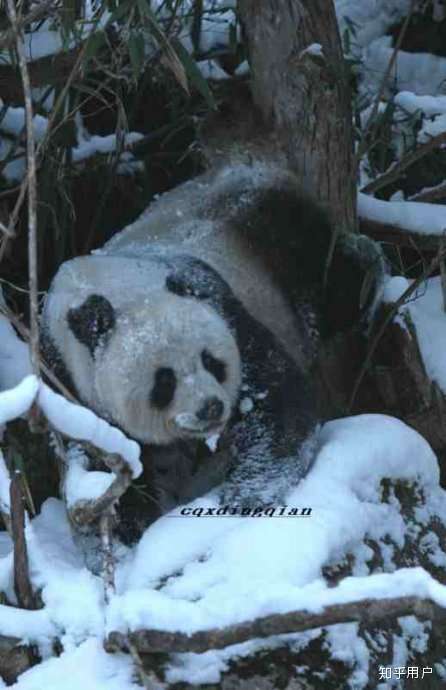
point(166, 369)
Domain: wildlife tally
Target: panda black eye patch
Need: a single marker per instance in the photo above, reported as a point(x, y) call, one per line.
point(214, 366)
point(91, 321)
point(163, 389)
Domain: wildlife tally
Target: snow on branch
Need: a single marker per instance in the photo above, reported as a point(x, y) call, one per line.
point(17, 401)
point(26, 625)
point(395, 171)
point(409, 216)
point(372, 604)
point(90, 494)
point(73, 420)
point(82, 424)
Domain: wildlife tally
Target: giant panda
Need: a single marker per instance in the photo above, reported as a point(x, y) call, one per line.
point(200, 320)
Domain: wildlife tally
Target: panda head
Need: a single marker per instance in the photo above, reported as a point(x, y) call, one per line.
point(165, 368)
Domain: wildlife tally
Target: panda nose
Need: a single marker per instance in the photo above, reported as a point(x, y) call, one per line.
point(211, 411)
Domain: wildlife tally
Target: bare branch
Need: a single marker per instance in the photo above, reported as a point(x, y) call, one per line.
point(84, 512)
point(371, 122)
point(41, 10)
point(148, 678)
point(367, 611)
point(395, 171)
point(22, 583)
point(430, 268)
point(401, 237)
point(24, 332)
point(108, 562)
point(32, 188)
point(436, 193)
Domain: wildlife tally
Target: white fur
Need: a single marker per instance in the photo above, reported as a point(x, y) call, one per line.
point(153, 329)
point(191, 218)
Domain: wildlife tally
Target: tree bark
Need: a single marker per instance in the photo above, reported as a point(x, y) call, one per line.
point(303, 94)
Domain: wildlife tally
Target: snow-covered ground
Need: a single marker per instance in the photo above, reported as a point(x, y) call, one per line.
point(191, 573)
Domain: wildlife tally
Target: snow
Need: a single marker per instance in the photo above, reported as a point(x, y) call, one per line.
point(429, 105)
point(210, 69)
point(212, 442)
point(414, 216)
point(246, 405)
point(86, 667)
point(74, 420)
point(313, 49)
point(282, 568)
point(73, 596)
point(371, 19)
point(13, 123)
point(206, 576)
point(81, 484)
point(420, 73)
point(188, 575)
point(26, 625)
point(18, 400)
point(103, 144)
point(4, 487)
point(427, 314)
point(15, 362)
point(80, 423)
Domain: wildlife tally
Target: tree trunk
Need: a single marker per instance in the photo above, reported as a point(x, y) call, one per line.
point(300, 85)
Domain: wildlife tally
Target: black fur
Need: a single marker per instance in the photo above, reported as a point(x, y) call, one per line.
point(163, 389)
point(92, 321)
point(214, 366)
point(293, 234)
point(284, 412)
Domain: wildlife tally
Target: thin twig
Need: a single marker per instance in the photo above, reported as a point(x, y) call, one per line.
point(40, 11)
point(428, 194)
point(108, 562)
point(32, 188)
point(5, 508)
point(84, 511)
point(394, 172)
point(14, 215)
point(6, 231)
point(371, 122)
point(434, 264)
point(24, 332)
point(147, 678)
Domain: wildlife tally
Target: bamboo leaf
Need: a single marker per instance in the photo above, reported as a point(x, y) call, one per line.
point(136, 52)
point(193, 74)
point(94, 44)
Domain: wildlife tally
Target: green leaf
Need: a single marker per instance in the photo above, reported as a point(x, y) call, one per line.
point(95, 42)
point(233, 38)
point(367, 287)
point(121, 11)
point(193, 73)
point(136, 52)
point(351, 25)
point(347, 42)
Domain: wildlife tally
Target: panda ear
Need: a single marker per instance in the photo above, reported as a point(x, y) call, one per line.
point(183, 285)
point(92, 321)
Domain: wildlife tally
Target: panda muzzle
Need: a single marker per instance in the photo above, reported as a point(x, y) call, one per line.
point(210, 418)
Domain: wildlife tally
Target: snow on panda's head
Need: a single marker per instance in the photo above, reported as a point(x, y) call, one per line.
point(163, 369)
